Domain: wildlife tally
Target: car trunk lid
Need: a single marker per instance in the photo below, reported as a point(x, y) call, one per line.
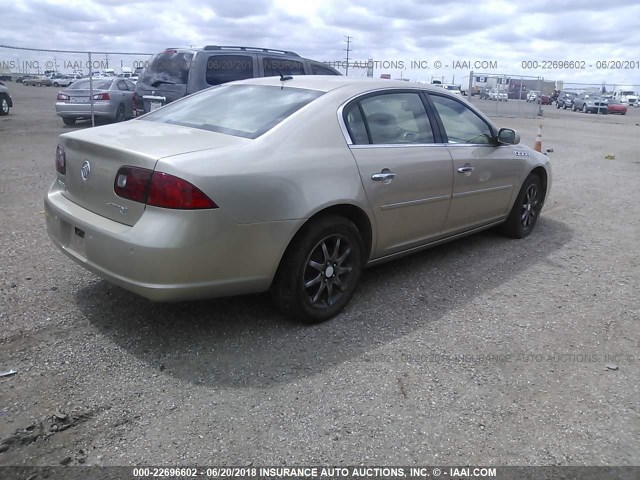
point(94, 157)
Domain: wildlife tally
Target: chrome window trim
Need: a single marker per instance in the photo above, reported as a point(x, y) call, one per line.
point(396, 145)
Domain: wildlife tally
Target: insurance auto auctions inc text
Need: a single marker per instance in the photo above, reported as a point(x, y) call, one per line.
point(374, 472)
point(416, 64)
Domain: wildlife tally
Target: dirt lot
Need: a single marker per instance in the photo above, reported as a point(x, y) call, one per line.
point(483, 351)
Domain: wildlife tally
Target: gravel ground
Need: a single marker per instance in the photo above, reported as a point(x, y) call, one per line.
point(483, 351)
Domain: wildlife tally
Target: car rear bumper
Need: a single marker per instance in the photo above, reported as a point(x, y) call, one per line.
point(100, 109)
point(170, 255)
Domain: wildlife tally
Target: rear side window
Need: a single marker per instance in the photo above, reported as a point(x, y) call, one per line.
point(355, 125)
point(228, 68)
point(170, 67)
point(281, 66)
point(391, 118)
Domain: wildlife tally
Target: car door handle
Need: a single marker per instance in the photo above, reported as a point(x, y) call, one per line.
point(384, 176)
point(466, 169)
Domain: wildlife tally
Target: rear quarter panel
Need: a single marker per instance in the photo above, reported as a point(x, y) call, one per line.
point(293, 171)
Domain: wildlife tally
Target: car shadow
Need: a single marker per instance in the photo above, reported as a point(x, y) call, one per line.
point(244, 341)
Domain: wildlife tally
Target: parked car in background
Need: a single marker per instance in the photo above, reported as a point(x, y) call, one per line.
point(64, 80)
point(177, 72)
point(498, 95)
point(565, 100)
point(616, 106)
point(112, 100)
point(22, 78)
point(38, 81)
point(484, 94)
point(517, 94)
point(6, 102)
point(543, 99)
point(533, 95)
point(454, 89)
point(156, 206)
point(590, 103)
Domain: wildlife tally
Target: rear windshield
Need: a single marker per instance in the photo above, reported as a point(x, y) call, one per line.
point(170, 67)
point(242, 110)
point(84, 85)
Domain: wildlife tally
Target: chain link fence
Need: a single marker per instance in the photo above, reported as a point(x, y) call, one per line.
point(17, 61)
point(59, 68)
point(509, 95)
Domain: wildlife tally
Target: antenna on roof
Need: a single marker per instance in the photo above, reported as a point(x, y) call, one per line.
point(284, 78)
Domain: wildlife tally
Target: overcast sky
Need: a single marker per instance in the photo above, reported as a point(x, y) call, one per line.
point(588, 31)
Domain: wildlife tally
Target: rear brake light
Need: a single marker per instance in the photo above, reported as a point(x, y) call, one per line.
point(61, 160)
point(101, 96)
point(62, 96)
point(159, 189)
point(172, 192)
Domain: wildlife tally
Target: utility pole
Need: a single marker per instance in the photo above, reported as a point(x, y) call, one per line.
point(348, 49)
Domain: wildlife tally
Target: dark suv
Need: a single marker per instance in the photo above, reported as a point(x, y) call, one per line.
point(178, 72)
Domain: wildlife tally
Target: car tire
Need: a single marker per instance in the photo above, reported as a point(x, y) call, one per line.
point(573, 108)
point(526, 209)
point(320, 270)
point(4, 106)
point(56, 84)
point(69, 120)
point(120, 114)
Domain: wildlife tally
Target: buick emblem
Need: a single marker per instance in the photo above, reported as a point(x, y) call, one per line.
point(85, 171)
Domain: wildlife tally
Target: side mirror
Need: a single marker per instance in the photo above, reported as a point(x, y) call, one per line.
point(507, 136)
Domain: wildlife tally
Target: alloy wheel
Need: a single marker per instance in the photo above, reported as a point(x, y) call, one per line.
point(529, 206)
point(327, 271)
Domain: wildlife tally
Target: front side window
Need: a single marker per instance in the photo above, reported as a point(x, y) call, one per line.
point(461, 124)
point(392, 118)
point(228, 68)
point(281, 66)
point(242, 110)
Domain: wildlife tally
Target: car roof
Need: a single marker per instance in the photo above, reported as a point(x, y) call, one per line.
point(326, 83)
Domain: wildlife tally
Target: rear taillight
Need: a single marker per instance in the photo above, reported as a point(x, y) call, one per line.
point(61, 160)
point(62, 96)
point(159, 189)
point(132, 183)
point(101, 96)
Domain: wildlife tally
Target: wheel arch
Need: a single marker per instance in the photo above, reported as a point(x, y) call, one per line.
point(541, 172)
point(351, 212)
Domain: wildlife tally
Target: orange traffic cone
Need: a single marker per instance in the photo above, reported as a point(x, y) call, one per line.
point(538, 145)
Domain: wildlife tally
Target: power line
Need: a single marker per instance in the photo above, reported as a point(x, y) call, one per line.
point(348, 49)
